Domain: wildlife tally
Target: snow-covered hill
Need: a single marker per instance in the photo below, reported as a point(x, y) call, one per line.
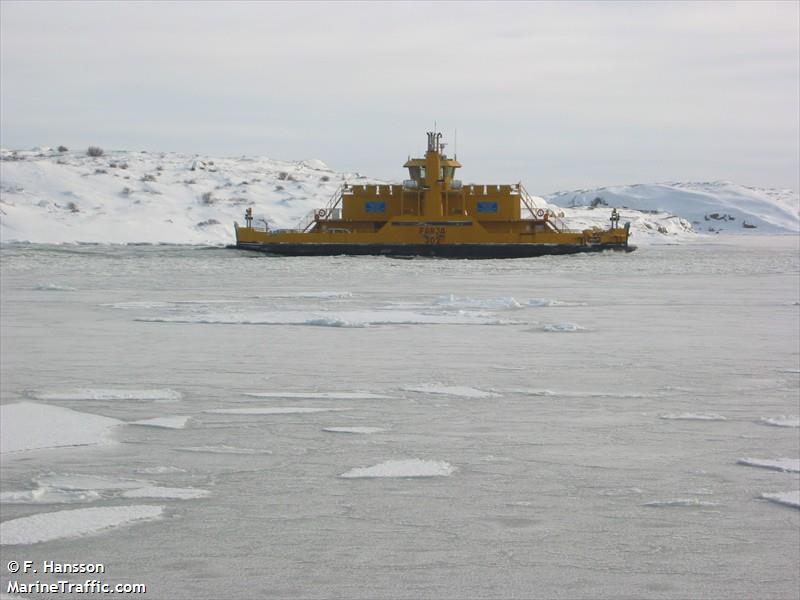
point(709, 206)
point(48, 196)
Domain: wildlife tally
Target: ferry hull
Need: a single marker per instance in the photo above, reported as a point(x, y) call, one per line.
point(473, 251)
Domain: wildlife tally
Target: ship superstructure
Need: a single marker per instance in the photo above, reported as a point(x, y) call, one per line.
point(432, 214)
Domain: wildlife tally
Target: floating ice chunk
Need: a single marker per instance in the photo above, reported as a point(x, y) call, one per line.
point(319, 395)
point(73, 523)
point(272, 410)
point(146, 304)
point(532, 392)
point(166, 493)
point(160, 470)
point(353, 429)
point(693, 417)
point(451, 300)
point(89, 482)
point(788, 498)
point(335, 322)
point(30, 426)
point(451, 390)
point(137, 305)
point(53, 287)
point(789, 465)
point(782, 421)
point(563, 328)
point(223, 449)
point(45, 495)
point(402, 468)
point(107, 394)
point(357, 319)
point(552, 302)
point(631, 491)
point(690, 502)
point(174, 422)
point(322, 295)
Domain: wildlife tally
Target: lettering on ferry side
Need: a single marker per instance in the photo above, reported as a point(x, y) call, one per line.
point(432, 234)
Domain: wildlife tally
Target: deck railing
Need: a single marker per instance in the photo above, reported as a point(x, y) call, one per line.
point(530, 204)
point(322, 214)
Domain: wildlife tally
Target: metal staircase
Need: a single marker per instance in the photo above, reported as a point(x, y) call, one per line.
point(322, 214)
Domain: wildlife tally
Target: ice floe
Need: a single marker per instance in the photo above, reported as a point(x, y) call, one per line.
point(166, 493)
point(451, 390)
point(562, 327)
point(791, 498)
point(678, 502)
point(53, 287)
point(363, 318)
point(614, 492)
point(160, 470)
point(364, 430)
point(271, 410)
point(693, 417)
point(402, 468)
point(789, 465)
point(46, 495)
point(782, 421)
point(323, 295)
point(454, 301)
point(223, 449)
point(110, 394)
point(30, 426)
point(319, 395)
point(88, 482)
point(552, 302)
point(173, 422)
point(73, 523)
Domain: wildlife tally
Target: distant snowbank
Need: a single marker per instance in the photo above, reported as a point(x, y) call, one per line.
point(172, 198)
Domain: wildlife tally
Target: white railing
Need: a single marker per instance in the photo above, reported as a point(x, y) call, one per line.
point(322, 214)
point(537, 212)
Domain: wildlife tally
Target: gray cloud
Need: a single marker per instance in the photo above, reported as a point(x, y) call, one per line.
point(559, 95)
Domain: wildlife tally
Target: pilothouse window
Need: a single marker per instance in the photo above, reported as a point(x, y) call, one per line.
point(417, 173)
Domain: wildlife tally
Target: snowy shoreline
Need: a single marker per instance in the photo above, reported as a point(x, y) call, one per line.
point(161, 199)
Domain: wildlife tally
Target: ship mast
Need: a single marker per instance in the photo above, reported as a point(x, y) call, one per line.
point(434, 182)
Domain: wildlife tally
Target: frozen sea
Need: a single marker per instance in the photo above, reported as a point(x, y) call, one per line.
point(232, 425)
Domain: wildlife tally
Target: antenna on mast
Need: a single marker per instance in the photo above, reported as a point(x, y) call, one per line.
point(455, 144)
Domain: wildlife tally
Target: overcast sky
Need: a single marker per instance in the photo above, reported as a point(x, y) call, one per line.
point(558, 95)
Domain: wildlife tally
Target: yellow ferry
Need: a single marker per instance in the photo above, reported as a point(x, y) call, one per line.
point(432, 214)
